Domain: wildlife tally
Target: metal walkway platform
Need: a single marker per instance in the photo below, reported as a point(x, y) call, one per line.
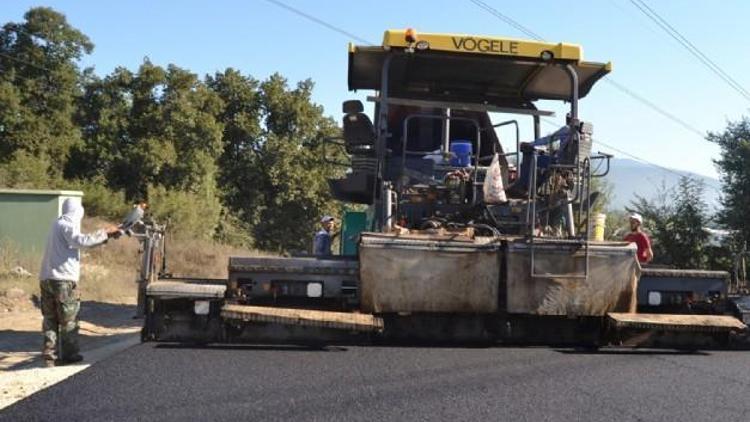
point(181, 289)
point(303, 317)
point(693, 323)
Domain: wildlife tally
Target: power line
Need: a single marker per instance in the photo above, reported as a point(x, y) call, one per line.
point(613, 148)
point(656, 108)
point(507, 19)
point(47, 70)
point(637, 158)
point(17, 29)
point(515, 25)
point(18, 76)
point(634, 16)
point(662, 168)
point(16, 59)
point(633, 156)
point(617, 85)
point(319, 21)
point(533, 35)
point(690, 47)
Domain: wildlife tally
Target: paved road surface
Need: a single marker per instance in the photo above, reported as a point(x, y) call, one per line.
point(152, 381)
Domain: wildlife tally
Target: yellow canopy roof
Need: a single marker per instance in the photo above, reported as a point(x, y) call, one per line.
point(474, 44)
point(470, 68)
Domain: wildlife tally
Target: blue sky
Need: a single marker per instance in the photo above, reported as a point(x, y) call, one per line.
point(260, 38)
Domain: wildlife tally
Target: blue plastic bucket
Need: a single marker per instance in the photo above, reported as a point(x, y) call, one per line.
point(462, 151)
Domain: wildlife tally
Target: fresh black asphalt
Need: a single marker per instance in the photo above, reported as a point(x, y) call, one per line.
point(245, 383)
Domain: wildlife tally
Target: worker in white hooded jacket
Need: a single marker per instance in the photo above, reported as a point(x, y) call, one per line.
point(58, 282)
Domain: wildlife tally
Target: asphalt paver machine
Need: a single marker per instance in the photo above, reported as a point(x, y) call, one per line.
point(436, 260)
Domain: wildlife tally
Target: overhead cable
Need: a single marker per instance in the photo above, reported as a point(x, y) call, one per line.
point(611, 81)
point(690, 47)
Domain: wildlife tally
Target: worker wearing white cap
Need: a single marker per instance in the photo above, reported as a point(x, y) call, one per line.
point(641, 240)
point(323, 238)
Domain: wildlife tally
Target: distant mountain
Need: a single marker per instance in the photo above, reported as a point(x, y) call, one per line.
point(629, 177)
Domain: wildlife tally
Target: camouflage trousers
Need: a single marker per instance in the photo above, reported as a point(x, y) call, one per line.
point(60, 304)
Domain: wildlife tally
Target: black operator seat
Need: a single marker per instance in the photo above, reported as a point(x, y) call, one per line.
point(359, 133)
point(359, 141)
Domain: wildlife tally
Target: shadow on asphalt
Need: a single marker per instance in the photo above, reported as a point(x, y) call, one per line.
point(259, 347)
point(632, 352)
point(105, 316)
point(18, 341)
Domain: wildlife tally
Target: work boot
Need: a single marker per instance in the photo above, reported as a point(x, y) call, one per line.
point(48, 357)
point(70, 359)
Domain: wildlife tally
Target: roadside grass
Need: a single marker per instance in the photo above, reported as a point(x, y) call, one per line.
point(202, 258)
point(109, 272)
point(12, 258)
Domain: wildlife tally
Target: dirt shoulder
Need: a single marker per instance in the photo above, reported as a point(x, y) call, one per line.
point(108, 290)
point(104, 329)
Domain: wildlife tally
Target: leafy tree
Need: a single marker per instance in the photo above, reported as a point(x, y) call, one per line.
point(688, 223)
point(656, 215)
point(189, 215)
point(39, 84)
point(616, 225)
point(154, 133)
point(283, 189)
point(296, 174)
point(145, 151)
point(227, 156)
point(103, 114)
point(241, 175)
point(26, 171)
point(677, 221)
point(153, 127)
point(734, 168)
point(605, 191)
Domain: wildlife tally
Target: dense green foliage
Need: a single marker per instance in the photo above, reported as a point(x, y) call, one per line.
point(734, 168)
point(225, 156)
point(677, 220)
point(230, 157)
point(39, 85)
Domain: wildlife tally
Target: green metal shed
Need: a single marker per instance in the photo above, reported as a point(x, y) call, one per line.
point(26, 215)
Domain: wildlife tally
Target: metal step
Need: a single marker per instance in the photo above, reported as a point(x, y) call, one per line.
point(303, 317)
point(305, 265)
point(180, 289)
point(669, 322)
